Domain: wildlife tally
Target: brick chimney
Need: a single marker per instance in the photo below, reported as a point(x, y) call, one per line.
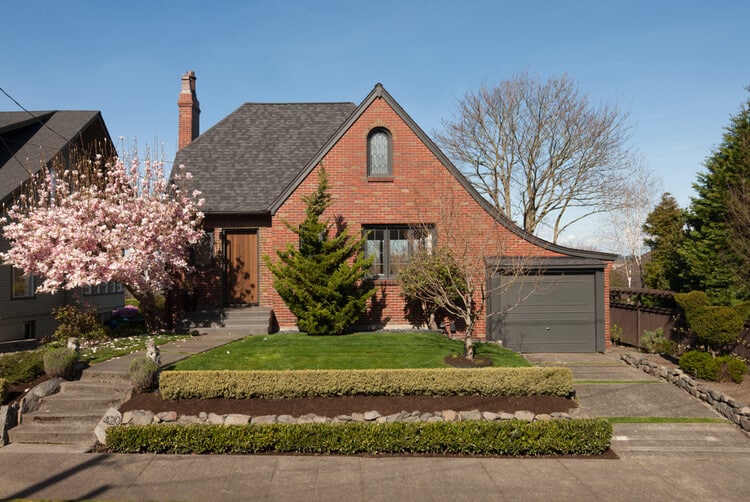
point(190, 111)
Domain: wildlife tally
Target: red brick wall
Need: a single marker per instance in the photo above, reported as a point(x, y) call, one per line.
point(421, 191)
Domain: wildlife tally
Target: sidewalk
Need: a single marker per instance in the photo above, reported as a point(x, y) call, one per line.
point(268, 477)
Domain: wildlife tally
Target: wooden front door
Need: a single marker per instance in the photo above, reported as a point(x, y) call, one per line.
point(241, 267)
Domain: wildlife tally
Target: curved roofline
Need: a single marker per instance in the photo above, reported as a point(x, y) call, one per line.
point(379, 92)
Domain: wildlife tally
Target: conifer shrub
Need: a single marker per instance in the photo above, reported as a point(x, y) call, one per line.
point(144, 374)
point(21, 366)
point(702, 365)
point(60, 362)
point(692, 300)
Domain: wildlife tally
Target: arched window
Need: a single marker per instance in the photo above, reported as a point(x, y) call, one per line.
point(379, 153)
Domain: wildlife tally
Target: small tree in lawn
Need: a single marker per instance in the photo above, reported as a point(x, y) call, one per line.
point(453, 277)
point(323, 282)
point(82, 222)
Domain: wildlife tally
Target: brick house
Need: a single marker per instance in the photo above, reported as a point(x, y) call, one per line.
point(390, 182)
point(28, 142)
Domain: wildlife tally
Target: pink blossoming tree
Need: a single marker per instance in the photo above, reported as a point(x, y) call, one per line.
point(95, 223)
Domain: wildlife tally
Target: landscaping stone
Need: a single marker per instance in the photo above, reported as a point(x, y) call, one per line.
point(524, 415)
point(503, 415)
point(167, 416)
point(264, 419)
point(449, 415)
point(285, 419)
point(236, 419)
point(111, 418)
point(488, 415)
point(215, 419)
point(371, 416)
point(141, 417)
point(471, 415)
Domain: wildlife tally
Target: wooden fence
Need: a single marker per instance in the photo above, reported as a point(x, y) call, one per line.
point(635, 318)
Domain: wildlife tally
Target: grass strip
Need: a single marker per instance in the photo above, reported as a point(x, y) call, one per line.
point(610, 382)
point(665, 420)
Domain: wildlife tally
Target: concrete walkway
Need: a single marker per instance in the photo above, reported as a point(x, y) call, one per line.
point(656, 460)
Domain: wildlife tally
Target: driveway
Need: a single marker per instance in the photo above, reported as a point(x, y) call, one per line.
point(606, 386)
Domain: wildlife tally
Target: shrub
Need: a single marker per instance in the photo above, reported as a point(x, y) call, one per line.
point(691, 301)
point(21, 366)
point(60, 362)
point(702, 365)
point(655, 342)
point(144, 374)
point(699, 364)
point(732, 368)
point(307, 383)
point(80, 322)
point(3, 389)
point(615, 333)
point(715, 326)
point(510, 437)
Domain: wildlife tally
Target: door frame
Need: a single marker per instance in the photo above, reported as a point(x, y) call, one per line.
point(225, 267)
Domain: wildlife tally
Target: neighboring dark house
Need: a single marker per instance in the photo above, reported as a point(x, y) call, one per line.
point(387, 178)
point(28, 142)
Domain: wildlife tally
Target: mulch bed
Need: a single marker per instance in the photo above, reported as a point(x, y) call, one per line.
point(346, 405)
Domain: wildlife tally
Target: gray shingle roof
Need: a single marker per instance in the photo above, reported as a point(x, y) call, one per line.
point(28, 142)
point(244, 162)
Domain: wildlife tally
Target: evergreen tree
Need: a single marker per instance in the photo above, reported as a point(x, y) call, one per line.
point(712, 265)
point(323, 282)
point(665, 230)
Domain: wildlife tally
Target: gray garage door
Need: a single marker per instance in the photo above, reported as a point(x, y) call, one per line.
point(551, 312)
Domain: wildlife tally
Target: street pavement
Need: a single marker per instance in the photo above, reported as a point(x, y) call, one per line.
point(664, 461)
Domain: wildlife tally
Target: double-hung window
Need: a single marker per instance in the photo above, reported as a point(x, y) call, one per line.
point(23, 285)
point(391, 246)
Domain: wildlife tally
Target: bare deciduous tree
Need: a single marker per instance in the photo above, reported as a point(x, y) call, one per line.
point(453, 277)
point(540, 151)
point(623, 225)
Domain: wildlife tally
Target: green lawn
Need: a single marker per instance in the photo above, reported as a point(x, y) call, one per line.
point(357, 351)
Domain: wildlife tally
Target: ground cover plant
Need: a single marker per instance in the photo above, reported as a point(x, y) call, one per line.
point(357, 351)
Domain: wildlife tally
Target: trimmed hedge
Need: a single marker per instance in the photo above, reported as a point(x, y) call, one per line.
point(3, 389)
point(510, 437)
point(387, 382)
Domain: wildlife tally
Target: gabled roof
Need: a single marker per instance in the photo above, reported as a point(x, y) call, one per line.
point(256, 157)
point(244, 162)
point(30, 140)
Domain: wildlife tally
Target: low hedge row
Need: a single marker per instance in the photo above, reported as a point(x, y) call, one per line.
point(511, 437)
point(389, 382)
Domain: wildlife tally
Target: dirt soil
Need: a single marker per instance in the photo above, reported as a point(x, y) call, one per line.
point(346, 405)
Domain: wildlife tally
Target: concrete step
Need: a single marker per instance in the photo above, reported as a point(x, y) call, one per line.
point(51, 417)
point(257, 319)
point(52, 433)
point(105, 377)
point(677, 440)
point(67, 404)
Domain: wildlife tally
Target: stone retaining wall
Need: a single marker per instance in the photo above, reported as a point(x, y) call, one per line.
point(142, 417)
point(733, 410)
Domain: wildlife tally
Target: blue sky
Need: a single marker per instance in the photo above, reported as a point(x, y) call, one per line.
point(678, 67)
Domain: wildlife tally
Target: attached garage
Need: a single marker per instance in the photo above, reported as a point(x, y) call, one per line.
point(558, 306)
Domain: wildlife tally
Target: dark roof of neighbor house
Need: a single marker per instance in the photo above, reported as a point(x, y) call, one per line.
point(244, 162)
point(255, 158)
point(30, 140)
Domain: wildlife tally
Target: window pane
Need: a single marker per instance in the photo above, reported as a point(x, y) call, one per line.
point(399, 249)
point(23, 285)
point(378, 162)
point(375, 246)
